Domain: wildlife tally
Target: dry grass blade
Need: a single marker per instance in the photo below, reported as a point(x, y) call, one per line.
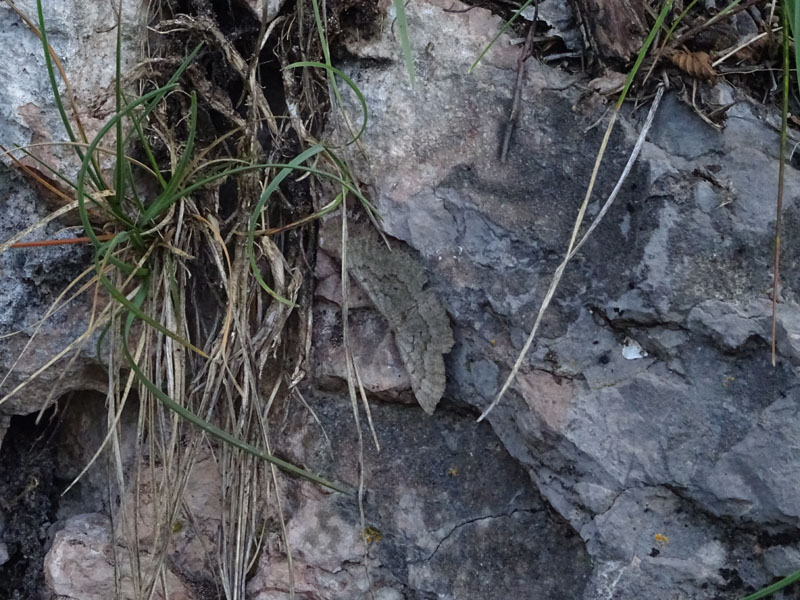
point(625, 172)
point(193, 336)
point(751, 48)
point(352, 380)
point(654, 31)
point(574, 244)
point(792, 11)
point(211, 32)
point(733, 7)
point(9, 243)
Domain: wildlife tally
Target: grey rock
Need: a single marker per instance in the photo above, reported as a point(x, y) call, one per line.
point(442, 495)
point(4, 555)
point(781, 560)
point(673, 129)
point(33, 279)
point(700, 425)
point(671, 474)
point(732, 326)
point(557, 16)
point(80, 36)
point(660, 543)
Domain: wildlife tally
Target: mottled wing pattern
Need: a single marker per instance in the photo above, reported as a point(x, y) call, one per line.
point(395, 283)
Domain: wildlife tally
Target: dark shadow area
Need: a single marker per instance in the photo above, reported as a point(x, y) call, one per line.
point(29, 496)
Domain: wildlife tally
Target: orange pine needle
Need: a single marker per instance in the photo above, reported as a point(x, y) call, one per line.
point(78, 240)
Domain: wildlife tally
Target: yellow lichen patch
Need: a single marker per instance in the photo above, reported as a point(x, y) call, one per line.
point(452, 471)
point(371, 535)
point(661, 539)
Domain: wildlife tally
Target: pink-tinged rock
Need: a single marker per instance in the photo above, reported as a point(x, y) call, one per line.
point(81, 564)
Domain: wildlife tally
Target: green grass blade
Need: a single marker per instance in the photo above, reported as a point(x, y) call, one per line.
point(343, 168)
point(727, 9)
point(321, 31)
point(105, 251)
point(337, 73)
point(405, 42)
point(643, 52)
point(168, 197)
point(45, 166)
point(170, 85)
point(116, 201)
point(132, 308)
point(95, 173)
point(781, 177)
point(319, 20)
point(80, 193)
point(262, 201)
point(139, 132)
point(137, 199)
point(775, 587)
point(98, 347)
point(262, 166)
point(150, 106)
point(793, 14)
point(678, 21)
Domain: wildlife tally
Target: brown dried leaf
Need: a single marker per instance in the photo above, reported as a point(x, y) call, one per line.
point(696, 64)
point(758, 49)
point(611, 82)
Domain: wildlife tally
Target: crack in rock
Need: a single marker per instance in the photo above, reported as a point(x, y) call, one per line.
point(458, 526)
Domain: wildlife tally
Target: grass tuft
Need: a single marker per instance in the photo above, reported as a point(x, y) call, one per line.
point(192, 307)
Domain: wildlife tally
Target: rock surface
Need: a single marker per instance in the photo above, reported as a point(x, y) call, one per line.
point(676, 463)
point(648, 448)
point(81, 564)
point(81, 37)
point(448, 514)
